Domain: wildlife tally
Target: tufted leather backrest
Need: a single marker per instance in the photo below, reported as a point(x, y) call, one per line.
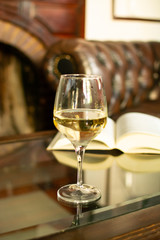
point(130, 70)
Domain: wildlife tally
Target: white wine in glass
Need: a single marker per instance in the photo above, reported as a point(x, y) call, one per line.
point(80, 113)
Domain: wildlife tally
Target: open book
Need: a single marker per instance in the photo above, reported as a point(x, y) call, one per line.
point(131, 133)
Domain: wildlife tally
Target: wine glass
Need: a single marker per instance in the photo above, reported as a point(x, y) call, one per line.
point(80, 113)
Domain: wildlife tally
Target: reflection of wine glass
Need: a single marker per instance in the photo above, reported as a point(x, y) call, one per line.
point(76, 220)
point(80, 113)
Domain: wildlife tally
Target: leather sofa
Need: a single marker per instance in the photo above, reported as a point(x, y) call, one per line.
point(130, 70)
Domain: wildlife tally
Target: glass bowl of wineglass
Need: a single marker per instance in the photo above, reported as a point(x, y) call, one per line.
point(80, 114)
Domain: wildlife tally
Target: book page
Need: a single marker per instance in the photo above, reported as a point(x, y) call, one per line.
point(60, 142)
point(107, 136)
point(137, 123)
point(139, 143)
point(138, 132)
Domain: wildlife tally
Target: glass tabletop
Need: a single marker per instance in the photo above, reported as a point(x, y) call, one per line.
point(30, 177)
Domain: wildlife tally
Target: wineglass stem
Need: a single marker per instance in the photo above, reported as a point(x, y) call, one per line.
point(80, 150)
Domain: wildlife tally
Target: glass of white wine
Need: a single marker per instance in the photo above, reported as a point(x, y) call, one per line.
point(80, 113)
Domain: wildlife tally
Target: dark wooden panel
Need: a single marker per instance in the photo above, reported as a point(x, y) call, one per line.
point(64, 18)
point(58, 19)
point(33, 26)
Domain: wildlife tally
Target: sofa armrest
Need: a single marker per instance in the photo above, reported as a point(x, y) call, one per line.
point(130, 70)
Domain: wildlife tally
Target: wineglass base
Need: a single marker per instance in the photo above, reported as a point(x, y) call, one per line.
point(74, 194)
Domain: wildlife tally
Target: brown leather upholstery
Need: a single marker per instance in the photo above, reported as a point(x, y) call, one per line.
point(130, 70)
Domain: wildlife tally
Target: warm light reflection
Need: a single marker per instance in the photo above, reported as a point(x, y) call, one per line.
point(87, 92)
point(27, 9)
